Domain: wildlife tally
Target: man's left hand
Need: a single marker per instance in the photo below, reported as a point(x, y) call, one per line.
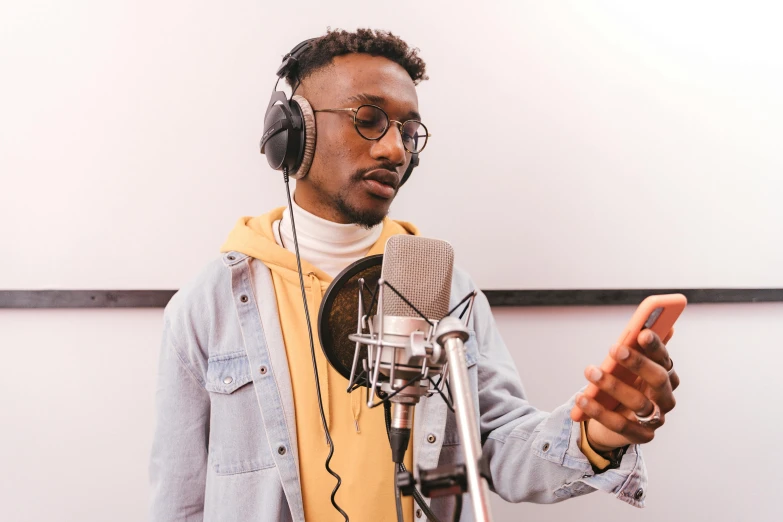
point(610, 429)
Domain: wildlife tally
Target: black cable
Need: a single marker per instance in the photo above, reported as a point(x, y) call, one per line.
point(397, 497)
point(416, 495)
point(312, 353)
point(457, 507)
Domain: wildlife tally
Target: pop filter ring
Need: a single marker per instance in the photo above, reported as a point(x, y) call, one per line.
point(326, 314)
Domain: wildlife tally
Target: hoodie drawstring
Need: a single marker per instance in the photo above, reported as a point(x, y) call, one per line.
point(356, 407)
point(321, 363)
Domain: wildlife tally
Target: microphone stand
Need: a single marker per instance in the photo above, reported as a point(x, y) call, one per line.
point(449, 335)
point(452, 334)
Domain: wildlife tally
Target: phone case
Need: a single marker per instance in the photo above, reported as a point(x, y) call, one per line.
point(656, 312)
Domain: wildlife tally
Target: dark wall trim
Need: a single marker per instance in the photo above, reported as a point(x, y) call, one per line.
point(159, 298)
point(629, 297)
point(85, 298)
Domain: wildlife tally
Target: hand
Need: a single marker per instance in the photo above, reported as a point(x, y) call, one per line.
point(610, 429)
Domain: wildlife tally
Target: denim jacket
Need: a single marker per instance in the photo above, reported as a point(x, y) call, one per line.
point(225, 447)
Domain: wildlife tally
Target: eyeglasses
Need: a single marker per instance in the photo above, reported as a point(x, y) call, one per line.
point(372, 123)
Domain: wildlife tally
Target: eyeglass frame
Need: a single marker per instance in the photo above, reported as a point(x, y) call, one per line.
point(400, 124)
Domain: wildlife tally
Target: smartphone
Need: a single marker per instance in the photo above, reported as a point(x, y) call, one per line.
point(656, 312)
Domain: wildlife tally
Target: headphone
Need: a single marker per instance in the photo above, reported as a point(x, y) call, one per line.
point(288, 141)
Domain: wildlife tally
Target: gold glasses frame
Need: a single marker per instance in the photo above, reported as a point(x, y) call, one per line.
point(389, 121)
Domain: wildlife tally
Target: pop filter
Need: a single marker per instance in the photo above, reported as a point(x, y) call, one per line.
point(339, 313)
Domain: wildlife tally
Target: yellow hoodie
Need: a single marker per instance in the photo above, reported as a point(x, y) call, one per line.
point(362, 456)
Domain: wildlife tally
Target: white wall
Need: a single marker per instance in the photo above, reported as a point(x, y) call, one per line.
point(78, 387)
point(128, 135)
point(595, 133)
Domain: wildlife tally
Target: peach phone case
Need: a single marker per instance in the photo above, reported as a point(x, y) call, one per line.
point(656, 312)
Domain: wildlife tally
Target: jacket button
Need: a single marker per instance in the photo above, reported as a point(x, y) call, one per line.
point(418, 513)
point(262, 370)
point(231, 258)
point(243, 298)
point(545, 447)
point(228, 380)
point(639, 494)
point(281, 450)
point(431, 438)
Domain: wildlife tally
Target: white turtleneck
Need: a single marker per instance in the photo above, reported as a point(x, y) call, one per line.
point(325, 244)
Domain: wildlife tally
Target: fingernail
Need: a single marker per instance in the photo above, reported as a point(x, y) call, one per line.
point(594, 374)
point(582, 402)
point(648, 338)
point(622, 353)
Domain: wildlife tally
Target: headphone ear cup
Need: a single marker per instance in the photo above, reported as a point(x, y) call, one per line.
point(412, 165)
point(308, 151)
point(276, 145)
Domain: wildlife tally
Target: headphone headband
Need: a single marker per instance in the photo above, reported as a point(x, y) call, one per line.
point(292, 58)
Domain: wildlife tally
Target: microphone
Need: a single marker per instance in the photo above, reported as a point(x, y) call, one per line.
point(418, 272)
point(392, 350)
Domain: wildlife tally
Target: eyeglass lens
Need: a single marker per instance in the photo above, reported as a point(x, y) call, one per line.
point(372, 122)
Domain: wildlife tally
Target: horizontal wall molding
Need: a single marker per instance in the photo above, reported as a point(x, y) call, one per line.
point(85, 298)
point(159, 298)
point(629, 297)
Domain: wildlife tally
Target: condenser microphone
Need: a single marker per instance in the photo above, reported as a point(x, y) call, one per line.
point(417, 272)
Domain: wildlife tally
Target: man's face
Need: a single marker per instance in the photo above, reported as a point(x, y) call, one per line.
point(354, 180)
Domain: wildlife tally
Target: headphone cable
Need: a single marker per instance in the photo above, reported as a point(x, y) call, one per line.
point(312, 353)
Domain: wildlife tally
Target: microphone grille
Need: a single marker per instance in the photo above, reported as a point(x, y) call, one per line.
point(420, 269)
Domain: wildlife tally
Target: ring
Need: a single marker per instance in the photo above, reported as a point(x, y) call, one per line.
point(671, 370)
point(652, 420)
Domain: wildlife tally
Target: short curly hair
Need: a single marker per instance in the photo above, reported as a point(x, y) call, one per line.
point(374, 42)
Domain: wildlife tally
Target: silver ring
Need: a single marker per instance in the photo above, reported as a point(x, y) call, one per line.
point(652, 420)
point(671, 370)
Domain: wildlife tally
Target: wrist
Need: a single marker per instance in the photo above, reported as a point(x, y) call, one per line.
point(597, 447)
point(610, 457)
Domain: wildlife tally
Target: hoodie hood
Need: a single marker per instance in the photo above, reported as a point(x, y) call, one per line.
point(253, 236)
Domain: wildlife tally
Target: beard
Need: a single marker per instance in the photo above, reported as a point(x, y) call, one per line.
point(366, 218)
point(342, 202)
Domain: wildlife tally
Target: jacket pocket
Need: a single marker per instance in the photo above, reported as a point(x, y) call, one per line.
point(237, 439)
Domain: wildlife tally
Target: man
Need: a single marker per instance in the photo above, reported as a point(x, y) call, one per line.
point(240, 435)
